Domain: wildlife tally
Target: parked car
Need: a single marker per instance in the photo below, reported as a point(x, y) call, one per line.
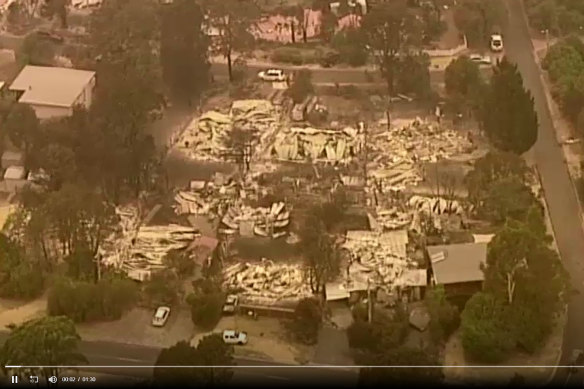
point(272, 75)
point(235, 337)
point(161, 316)
point(496, 42)
point(230, 304)
point(481, 60)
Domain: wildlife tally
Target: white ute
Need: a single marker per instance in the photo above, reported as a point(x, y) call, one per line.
point(160, 316)
point(273, 75)
point(235, 337)
point(496, 42)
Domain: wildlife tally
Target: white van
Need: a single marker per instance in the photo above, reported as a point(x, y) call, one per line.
point(234, 337)
point(496, 42)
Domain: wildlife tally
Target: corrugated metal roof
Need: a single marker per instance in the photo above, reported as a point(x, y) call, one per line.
point(54, 86)
point(462, 262)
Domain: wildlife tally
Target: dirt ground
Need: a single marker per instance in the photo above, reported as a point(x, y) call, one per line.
point(267, 339)
point(17, 312)
point(135, 328)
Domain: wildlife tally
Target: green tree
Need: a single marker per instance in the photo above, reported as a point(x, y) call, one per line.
point(486, 335)
point(233, 19)
point(36, 51)
point(50, 341)
point(320, 253)
point(507, 199)
point(183, 50)
point(58, 162)
point(413, 76)
point(383, 333)
point(181, 353)
point(85, 301)
point(514, 127)
point(477, 20)
point(301, 86)
point(328, 25)
point(463, 83)
point(444, 316)
point(20, 276)
point(493, 167)
point(22, 127)
point(307, 319)
point(206, 303)
point(519, 259)
point(163, 288)
point(350, 43)
point(565, 65)
point(79, 217)
point(57, 8)
point(124, 35)
point(402, 356)
point(213, 351)
point(391, 32)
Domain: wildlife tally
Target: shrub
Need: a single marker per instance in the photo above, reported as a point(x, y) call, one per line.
point(444, 316)
point(19, 276)
point(328, 58)
point(206, 309)
point(301, 86)
point(486, 337)
point(163, 288)
point(361, 335)
point(86, 301)
point(288, 55)
point(307, 319)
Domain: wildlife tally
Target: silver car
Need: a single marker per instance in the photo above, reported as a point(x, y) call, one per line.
point(272, 75)
point(161, 316)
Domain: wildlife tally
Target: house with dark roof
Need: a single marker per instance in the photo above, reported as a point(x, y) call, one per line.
point(458, 267)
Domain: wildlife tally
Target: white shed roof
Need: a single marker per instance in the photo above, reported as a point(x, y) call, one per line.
point(14, 173)
point(51, 85)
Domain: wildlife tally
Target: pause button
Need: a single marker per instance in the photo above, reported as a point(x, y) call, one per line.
point(14, 379)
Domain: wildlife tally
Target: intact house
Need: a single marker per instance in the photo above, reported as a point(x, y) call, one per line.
point(458, 267)
point(52, 91)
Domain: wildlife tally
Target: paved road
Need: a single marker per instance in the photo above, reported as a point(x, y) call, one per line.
point(561, 199)
point(335, 75)
point(266, 373)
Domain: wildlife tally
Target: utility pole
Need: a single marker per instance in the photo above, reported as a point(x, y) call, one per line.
point(369, 303)
point(366, 153)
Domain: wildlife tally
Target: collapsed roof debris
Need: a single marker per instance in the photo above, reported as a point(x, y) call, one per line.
point(409, 216)
point(226, 202)
point(317, 144)
point(140, 250)
point(380, 257)
point(266, 282)
point(208, 137)
point(398, 153)
point(260, 221)
point(435, 205)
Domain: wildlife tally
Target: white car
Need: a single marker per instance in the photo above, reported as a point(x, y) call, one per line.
point(272, 75)
point(481, 60)
point(496, 42)
point(235, 337)
point(160, 316)
point(230, 304)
